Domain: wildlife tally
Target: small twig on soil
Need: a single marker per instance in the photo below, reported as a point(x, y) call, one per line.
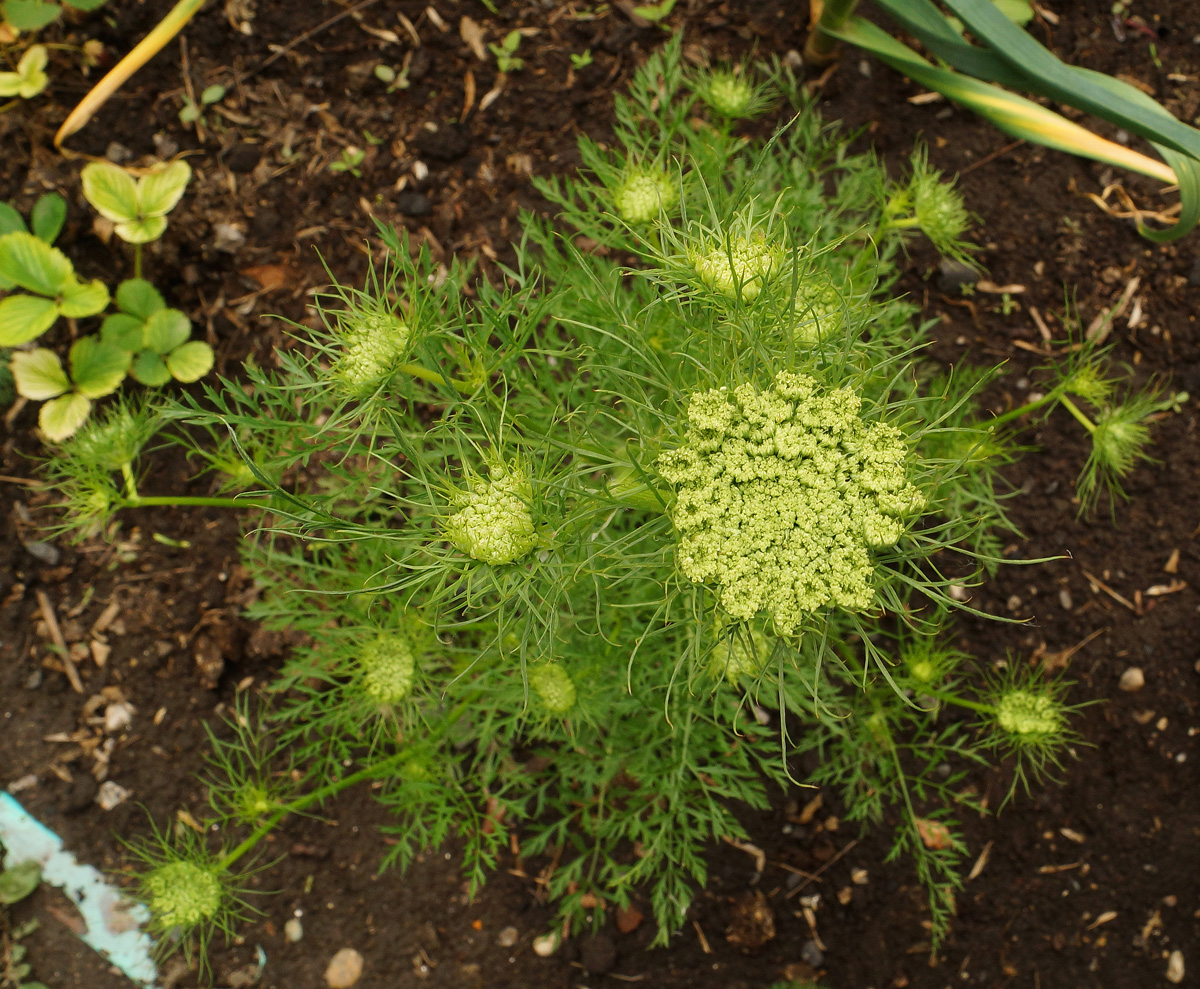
point(704, 945)
point(760, 857)
point(56, 634)
point(987, 159)
point(312, 32)
point(1097, 583)
point(790, 893)
point(8, 479)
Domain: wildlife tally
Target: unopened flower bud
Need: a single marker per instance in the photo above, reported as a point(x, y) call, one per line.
point(495, 525)
point(183, 894)
point(387, 664)
point(1028, 715)
point(553, 687)
point(738, 268)
point(374, 343)
point(643, 194)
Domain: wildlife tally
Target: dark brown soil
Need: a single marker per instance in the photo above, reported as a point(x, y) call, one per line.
point(1088, 884)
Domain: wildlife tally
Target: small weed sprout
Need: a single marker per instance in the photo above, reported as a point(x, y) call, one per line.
point(506, 53)
point(30, 77)
point(581, 560)
point(351, 158)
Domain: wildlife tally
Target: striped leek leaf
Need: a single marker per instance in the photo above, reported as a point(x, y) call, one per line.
point(1013, 59)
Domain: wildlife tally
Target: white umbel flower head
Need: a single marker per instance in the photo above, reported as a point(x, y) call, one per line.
point(643, 194)
point(374, 343)
point(739, 267)
point(553, 687)
point(494, 524)
point(387, 663)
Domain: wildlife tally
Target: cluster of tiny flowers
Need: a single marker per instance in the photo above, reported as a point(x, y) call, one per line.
point(730, 95)
point(781, 494)
point(738, 268)
point(495, 525)
point(819, 309)
point(643, 193)
point(939, 210)
point(374, 344)
point(737, 657)
point(553, 687)
point(387, 665)
point(182, 894)
point(1029, 716)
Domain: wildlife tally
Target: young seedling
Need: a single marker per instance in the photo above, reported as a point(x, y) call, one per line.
point(349, 161)
point(581, 60)
point(193, 112)
point(138, 208)
point(33, 15)
point(506, 53)
point(30, 77)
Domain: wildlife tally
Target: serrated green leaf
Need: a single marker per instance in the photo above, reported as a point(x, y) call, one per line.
point(98, 368)
point(60, 418)
point(166, 330)
point(48, 215)
point(33, 264)
point(124, 331)
point(24, 318)
point(81, 299)
point(39, 374)
point(159, 191)
point(142, 231)
point(11, 221)
point(30, 15)
point(150, 369)
point(139, 298)
point(190, 362)
point(19, 881)
point(111, 191)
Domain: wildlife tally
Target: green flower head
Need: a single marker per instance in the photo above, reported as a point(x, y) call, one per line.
point(731, 95)
point(819, 309)
point(495, 524)
point(739, 267)
point(739, 656)
point(183, 894)
point(782, 494)
point(374, 342)
point(387, 664)
point(643, 194)
point(553, 687)
point(1029, 716)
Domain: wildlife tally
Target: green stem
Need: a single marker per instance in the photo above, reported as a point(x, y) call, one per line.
point(332, 789)
point(1075, 411)
point(821, 48)
point(1054, 395)
point(960, 701)
point(130, 482)
point(417, 371)
point(137, 260)
point(154, 501)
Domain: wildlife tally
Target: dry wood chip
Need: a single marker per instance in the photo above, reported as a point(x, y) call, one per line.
point(1172, 564)
point(472, 34)
point(56, 634)
point(1071, 835)
point(1046, 870)
point(980, 862)
point(1158, 590)
point(468, 93)
point(1104, 918)
point(810, 809)
point(984, 285)
point(436, 20)
point(921, 99)
point(934, 834)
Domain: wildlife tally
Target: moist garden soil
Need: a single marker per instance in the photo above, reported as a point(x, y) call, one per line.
point(1091, 883)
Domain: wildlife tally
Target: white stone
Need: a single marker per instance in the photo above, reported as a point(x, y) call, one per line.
point(344, 969)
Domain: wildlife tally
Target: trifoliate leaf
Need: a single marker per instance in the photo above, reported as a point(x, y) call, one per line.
point(39, 374)
point(48, 215)
point(81, 299)
point(30, 15)
point(150, 369)
point(142, 231)
point(30, 77)
point(98, 368)
point(124, 331)
point(24, 318)
point(190, 362)
point(33, 264)
point(111, 191)
point(159, 191)
point(139, 298)
point(61, 418)
point(166, 329)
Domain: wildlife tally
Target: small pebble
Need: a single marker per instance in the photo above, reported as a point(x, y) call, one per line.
point(1175, 967)
point(293, 930)
point(344, 969)
point(508, 937)
point(1132, 679)
point(1064, 598)
point(859, 877)
point(811, 954)
point(111, 795)
point(547, 944)
point(46, 553)
point(845, 895)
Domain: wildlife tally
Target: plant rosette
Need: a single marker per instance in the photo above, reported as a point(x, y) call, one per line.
point(29, 263)
point(139, 207)
point(157, 337)
point(30, 77)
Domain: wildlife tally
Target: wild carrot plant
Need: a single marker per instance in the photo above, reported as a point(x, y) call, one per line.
point(587, 553)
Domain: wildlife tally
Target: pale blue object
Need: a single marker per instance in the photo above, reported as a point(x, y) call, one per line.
point(112, 920)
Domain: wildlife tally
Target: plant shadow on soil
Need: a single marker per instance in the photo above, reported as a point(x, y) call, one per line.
point(1120, 836)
